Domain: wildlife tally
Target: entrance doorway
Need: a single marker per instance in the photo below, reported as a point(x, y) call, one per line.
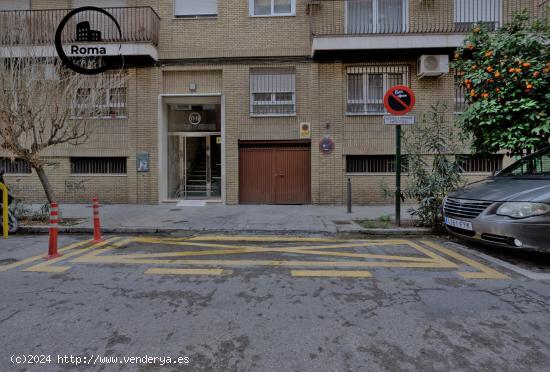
point(194, 167)
point(193, 149)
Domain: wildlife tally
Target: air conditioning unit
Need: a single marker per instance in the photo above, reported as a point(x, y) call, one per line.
point(432, 65)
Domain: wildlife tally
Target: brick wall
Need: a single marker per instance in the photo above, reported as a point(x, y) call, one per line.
point(235, 42)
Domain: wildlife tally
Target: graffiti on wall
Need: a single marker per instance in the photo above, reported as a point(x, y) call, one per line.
point(74, 186)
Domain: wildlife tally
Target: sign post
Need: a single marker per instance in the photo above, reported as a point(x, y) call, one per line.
point(398, 100)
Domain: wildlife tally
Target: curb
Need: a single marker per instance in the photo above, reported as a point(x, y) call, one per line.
point(152, 230)
point(408, 231)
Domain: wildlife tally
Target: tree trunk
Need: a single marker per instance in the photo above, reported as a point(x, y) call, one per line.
point(45, 184)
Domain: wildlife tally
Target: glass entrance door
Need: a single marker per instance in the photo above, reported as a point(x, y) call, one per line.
point(194, 169)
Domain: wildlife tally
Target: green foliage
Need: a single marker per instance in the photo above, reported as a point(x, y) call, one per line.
point(506, 76)
point(434, 171)
point(23, 211)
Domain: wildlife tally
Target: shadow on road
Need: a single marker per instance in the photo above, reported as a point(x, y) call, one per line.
point(527, 259)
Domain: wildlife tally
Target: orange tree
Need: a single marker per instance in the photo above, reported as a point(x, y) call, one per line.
point(506, 75)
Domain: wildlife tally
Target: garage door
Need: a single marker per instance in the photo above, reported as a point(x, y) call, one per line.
point(274, 173)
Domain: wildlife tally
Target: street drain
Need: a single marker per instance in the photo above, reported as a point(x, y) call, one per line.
point(342, 222)
point(8, 261)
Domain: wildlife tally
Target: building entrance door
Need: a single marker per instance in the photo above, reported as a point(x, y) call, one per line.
point(194, 166)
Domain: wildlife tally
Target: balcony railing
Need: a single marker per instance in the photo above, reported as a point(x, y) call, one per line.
point(371, 17)
point(38, 27)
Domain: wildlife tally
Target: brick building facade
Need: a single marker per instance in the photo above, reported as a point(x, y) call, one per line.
point(229, 95)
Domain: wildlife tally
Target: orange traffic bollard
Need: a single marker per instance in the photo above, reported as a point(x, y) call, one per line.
point(54, 221)
point(97, 224)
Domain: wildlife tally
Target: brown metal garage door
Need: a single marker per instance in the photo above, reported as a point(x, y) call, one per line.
point(274, 173)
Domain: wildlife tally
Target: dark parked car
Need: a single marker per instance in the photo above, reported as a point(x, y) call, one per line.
point(511, 209)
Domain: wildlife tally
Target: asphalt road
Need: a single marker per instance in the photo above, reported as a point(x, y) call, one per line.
point(271, 305)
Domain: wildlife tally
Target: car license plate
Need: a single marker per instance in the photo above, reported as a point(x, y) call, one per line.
point(465, 225)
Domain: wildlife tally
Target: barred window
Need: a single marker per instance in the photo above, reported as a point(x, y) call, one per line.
point(366, 87)
point(467, 13)
point(376, 16)
point(110, 102)
point(83, 165)
point(272, 92)
point(17, 166)
point(374, 164)
point(480, 163)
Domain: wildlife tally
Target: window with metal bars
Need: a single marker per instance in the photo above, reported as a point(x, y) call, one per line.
point(376, 16)
point(468, 13)
point(366, 86)
point(98, 165)
point(17, 166)
point(480, 163)
point(110, 102)
point(272, 92)
point(374, 164)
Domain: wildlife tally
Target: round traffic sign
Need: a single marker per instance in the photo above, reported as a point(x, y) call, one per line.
point(326, 145)
point(399, 100)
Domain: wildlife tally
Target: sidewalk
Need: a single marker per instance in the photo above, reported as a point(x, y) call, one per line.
point(219, 218)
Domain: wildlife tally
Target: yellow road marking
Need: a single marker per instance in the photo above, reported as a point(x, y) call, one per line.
point(169, 271)
point(276, 263)
point(486, 271)
point(365, 255)
point(48, 267)
point(96, 252)
point(41, 256)
point(428, 253)
point(238, 249)
point(331, 273)
point(268, 239)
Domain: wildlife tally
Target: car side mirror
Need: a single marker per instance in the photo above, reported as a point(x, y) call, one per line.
point(495, 173)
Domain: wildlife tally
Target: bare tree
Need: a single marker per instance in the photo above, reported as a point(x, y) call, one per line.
point(43, 104)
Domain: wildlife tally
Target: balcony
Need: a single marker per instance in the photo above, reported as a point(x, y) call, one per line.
point(22, 30)
point(355, 25)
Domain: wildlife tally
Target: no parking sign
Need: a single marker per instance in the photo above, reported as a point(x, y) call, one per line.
point(399, 100)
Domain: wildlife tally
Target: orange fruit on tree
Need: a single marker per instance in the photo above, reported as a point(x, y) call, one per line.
point(526, 64)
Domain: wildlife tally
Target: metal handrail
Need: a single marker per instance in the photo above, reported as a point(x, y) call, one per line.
point(38, 27)
point(371, 17)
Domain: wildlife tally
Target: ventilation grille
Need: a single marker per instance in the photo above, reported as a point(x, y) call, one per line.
point(465, 208)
